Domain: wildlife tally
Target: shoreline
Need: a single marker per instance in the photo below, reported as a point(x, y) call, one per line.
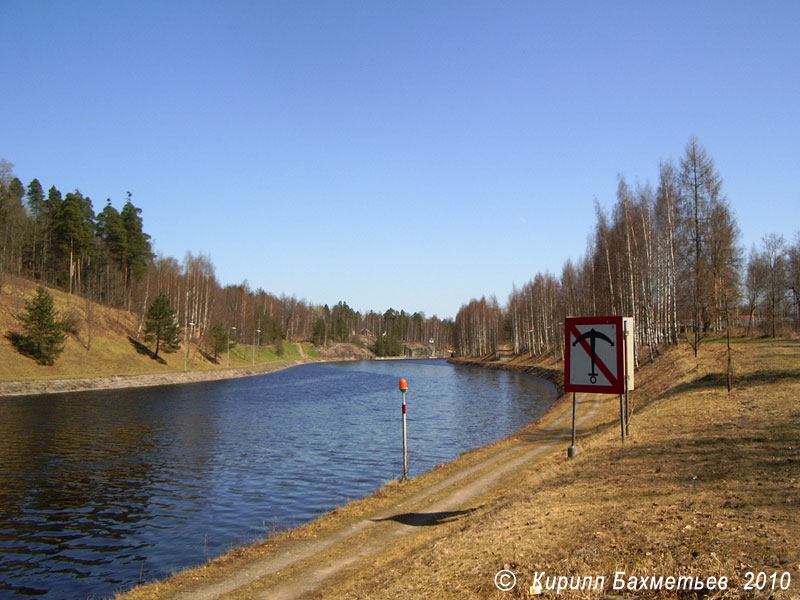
point(38, 387)
point(554, 376)
point(488, 461)
point(500, 447)
point(689, 484)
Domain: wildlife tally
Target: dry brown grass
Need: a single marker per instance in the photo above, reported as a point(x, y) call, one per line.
point(707, 485)
point(110, 350)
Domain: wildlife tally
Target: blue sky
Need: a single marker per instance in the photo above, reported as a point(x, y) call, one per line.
point(396, 154)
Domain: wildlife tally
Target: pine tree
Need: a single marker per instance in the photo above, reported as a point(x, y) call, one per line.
point(320, 332)
point(279, 348)
point(74, 231)
point(137, 249)
point(161, 325)
point(219, 339)
point(36, 207)
point(111, 232)
point(44, 336)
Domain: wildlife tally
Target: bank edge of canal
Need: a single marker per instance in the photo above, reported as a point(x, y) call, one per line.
point(657, 506)
point(115, 382)
point(34, 387)
point(289, 563)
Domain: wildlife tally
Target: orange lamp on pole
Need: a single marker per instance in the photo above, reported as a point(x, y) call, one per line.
point(402, 385)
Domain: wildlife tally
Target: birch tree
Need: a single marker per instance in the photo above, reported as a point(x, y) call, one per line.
point(793, 268)
point(774, 261)
point(667, 220)
point(754, 286)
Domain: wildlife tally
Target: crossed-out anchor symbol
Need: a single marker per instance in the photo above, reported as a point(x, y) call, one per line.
point(592, 334)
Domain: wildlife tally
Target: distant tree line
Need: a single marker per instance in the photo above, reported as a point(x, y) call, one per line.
point(668, 256)
point(772, 286)
point(388, 330)
point(58, 240)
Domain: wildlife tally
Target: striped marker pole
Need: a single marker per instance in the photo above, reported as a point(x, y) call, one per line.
point(403, 386)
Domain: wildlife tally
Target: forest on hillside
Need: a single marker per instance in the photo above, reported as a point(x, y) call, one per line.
point(668, 256)
point(60, 241)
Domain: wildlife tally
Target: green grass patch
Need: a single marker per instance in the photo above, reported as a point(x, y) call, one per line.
point(309, 351)
point(243, 353)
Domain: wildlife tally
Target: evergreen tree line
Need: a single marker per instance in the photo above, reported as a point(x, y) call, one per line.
point(59, 241)
point(668, 256)
point(389, 330)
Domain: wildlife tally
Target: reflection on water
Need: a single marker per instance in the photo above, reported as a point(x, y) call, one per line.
point(100, 490)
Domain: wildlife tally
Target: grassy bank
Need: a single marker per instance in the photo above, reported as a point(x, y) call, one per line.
point(103, 343)
point(706, 486)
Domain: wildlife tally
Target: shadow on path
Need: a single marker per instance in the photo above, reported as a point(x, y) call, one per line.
point(427, 519)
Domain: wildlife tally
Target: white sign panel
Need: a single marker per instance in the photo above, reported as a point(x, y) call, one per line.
point(594, 355)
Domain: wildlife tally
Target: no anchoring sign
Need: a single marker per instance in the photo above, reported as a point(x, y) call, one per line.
point(594, 355)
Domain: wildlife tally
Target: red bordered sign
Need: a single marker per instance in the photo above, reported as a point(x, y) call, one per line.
point(594, 357)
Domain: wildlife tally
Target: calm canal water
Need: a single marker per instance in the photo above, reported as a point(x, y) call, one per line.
point(101, 490)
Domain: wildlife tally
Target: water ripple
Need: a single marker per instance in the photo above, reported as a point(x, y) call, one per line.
point(99, 490)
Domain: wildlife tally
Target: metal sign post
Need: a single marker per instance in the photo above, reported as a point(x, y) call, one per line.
point(403, 386)
point(627, 324)
point(573, 449)
point(593, 361)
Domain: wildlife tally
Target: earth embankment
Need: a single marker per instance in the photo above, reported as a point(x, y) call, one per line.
point(705, 489)
point(54, 386)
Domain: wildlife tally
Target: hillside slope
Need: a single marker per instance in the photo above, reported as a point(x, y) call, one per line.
point(110, 347)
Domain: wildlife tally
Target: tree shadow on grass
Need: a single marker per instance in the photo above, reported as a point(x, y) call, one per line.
point(23, 346)
point(208, 357)
point(755, 459)
point(428, 519)
point(718, 380)
point(142, 349)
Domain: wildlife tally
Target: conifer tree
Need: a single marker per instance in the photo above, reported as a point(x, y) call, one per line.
point(36, 207)
point(136, 250)
point(161, 325)
point(218, 339)
point(44, 335)
point(74, 231)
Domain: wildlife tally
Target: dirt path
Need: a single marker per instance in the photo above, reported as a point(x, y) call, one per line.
point(304, 566)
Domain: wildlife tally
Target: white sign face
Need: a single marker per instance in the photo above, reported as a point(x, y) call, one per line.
point(594, 355)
